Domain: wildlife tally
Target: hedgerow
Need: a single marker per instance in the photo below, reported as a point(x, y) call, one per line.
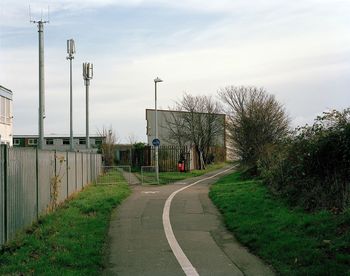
point(311, 167)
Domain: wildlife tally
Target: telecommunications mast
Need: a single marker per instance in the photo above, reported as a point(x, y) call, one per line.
point(87, 75)
point(71, 52)
point(40, 24)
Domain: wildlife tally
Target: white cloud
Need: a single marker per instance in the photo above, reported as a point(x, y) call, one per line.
point(295, 49)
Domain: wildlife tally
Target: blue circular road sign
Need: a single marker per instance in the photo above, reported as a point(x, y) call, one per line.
point(156, 142)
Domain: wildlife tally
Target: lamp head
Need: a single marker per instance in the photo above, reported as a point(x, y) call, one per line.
point(157, 80)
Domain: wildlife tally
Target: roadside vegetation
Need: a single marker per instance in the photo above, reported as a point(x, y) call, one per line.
point(311, 166)
point(289, 202)
point(293, 241)
point(68, 241)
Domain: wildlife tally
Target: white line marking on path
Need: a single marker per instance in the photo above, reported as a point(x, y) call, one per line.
point(150, 192)
point(184, 262)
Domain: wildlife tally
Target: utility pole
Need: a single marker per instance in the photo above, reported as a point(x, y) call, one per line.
point(156, 126)
point(41, 112)
point(87, 74)
point(70, 52)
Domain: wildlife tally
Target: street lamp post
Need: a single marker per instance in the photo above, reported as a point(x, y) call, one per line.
point(87, 74)
point(70, 52)
point(156, 80)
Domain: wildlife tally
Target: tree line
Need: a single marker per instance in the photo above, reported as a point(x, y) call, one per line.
point(309, 166)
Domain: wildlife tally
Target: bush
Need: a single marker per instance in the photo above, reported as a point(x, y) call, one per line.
point(311, 167)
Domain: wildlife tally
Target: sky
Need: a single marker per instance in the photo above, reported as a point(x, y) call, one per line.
point(297, 50)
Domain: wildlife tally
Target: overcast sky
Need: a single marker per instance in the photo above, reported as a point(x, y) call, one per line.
point(298, 50)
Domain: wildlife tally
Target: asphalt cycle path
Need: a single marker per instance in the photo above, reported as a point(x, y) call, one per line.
point(176, 230)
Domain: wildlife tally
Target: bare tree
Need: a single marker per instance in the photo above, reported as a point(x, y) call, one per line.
point(176, 129)
point(132, 138)
point(256, 119)
point(195, 121)
point(108, 145)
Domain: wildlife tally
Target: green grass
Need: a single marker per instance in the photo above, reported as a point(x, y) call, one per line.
point(170, 177)
point(111, 177)
point(69, 241)
point(293, 241)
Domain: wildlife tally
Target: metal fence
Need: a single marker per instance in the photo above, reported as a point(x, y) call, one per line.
point(26, 177)
point(148, 175)
point(169, 157)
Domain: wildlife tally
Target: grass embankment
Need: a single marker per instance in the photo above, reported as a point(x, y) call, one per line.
point(68, 241)
point(170, 177)
point(293, 241)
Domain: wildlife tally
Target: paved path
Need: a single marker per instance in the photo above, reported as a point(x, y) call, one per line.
point(138, 244)
point(131, 178)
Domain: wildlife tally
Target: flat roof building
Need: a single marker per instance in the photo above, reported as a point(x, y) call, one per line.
point(58, 142)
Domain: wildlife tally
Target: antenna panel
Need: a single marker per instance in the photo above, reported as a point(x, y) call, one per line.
point(70, 47)
point(87, 70)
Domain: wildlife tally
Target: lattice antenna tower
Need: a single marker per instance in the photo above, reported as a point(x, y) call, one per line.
point(41, 111)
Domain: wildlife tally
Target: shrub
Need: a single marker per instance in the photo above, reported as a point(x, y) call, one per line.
point(311, 167)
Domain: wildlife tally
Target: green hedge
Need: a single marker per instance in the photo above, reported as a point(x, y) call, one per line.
point(312, 167)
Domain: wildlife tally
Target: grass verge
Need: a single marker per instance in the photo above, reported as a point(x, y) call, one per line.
point(68, 241)
point(170, 177)
point(293, 241)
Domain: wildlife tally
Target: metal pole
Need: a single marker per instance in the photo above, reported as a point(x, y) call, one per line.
point(87, 82)
point(41, 85)
point(5, 165)
point(71, 142)
point(156, 129)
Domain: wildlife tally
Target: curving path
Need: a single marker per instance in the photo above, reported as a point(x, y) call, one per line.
point(139, 245)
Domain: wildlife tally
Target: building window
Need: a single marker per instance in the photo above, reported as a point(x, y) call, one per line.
point(16, 142)
point(32, 142)
point(49, 141)
point(66, 141)
point(5, 111)
point(98, 141)
point(82, 141)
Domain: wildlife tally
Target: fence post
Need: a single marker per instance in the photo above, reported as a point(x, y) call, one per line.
point(91, 168)
point(89, 165)
point(5, 152)
point(67, 172)
point(82, 170)
point(76, 172)
point(37, 183)
point(55, 171)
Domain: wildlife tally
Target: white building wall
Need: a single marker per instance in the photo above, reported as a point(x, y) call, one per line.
point(6, 116)
point(6, 134)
